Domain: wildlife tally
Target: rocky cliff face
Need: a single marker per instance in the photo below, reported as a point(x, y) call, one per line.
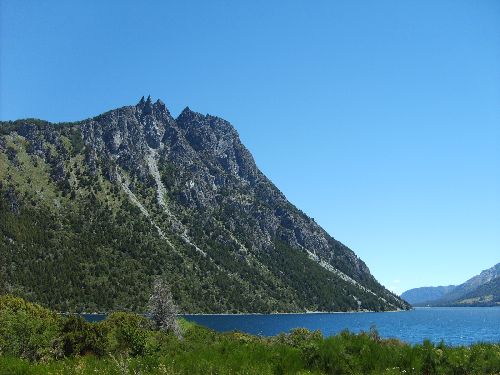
point(192, 205)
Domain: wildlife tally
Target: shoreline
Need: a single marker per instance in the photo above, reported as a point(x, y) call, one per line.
point(291, 313)
point(284, 313)
point(247, 313)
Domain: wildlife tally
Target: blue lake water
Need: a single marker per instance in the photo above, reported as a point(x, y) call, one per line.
point(454, 325)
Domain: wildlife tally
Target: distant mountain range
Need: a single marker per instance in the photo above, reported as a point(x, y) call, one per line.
point(480, 290)
point(92, 211)
point(426, 293)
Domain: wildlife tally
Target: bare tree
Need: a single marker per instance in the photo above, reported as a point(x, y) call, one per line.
point(163, 309)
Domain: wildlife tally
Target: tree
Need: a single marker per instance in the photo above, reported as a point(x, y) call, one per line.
point(3, 283)
point(162, 308)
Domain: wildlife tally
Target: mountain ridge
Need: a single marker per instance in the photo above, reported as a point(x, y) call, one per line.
point(480, 290)
point(183, 193)
point(426, 293)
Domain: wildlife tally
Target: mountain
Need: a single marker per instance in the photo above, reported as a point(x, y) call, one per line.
point(426, 294)
point(480, 290)
point(92, 211)
point(487, 294)
point(471, 285)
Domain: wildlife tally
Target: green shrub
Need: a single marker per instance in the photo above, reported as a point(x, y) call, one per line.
point(79, 337)
point(126, 333)
point(301, 337)
point(27, 330)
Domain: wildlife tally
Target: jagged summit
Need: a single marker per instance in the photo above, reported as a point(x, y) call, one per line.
point(134, 193)
point(188, 115)
point(159, 104)
point(148, 106)
point(185, 112)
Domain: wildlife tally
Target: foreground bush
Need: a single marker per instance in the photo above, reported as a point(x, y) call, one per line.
point(78, 337)
point(27, 330)
point(34, 340)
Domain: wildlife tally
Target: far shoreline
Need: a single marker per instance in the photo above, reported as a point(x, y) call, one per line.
point(246, 313)
point(284, 313)
point(293, 313)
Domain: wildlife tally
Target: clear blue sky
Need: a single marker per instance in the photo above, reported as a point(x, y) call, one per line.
point(380, 119)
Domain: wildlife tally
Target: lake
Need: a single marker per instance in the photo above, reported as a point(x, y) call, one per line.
point(454, 325)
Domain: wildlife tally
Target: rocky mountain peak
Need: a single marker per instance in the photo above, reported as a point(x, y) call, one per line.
point(157, 109)
point(159, 105)
point(181, 197)
point(189, 117)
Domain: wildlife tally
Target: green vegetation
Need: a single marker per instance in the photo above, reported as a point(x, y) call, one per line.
point(34, 340)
